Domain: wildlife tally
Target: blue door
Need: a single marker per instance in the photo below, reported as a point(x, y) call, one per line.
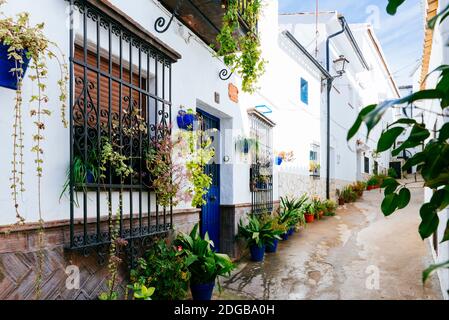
point(210, 213)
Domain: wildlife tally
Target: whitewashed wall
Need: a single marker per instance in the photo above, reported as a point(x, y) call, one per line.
point(194, 80)
point(355, 90)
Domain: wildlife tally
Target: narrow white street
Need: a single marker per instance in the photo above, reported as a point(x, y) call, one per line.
point(338, 258)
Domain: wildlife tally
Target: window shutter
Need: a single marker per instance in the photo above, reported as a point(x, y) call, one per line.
point(304, 91)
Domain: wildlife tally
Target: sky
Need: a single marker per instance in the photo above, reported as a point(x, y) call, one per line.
point(401, 36)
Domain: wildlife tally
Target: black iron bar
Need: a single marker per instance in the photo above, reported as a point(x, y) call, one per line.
point(121, 81)
point(71, 36)
point(98, 126)
point(83, 126)
point(86, 84)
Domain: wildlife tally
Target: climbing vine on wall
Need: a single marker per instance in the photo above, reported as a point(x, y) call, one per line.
point(242, 54)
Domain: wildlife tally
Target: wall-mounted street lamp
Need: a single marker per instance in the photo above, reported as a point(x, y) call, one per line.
point(340, 65)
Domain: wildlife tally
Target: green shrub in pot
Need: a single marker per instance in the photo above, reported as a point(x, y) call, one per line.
point(164, 267)
point(204, 264)
point(258, 231)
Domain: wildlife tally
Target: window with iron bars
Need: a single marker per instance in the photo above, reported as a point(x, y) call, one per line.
point(120, 97)
point(261, 172)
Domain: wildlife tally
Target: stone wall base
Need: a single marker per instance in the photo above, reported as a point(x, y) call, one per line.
point(20, 254)
point(295, 185)
point(229, 220)
point(19, 261)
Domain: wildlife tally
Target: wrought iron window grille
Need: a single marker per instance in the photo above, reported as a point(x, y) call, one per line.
point(261, 170)
point(120, 93)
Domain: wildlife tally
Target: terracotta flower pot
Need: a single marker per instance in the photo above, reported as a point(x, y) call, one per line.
point(341, 202)
point(321, 213)
point(310, 218)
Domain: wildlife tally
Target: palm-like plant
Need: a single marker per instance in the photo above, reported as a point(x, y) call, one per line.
point(291, 211)
point(258, 232)
point(204, 264)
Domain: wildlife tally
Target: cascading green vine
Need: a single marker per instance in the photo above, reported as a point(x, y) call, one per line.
point(242, 54)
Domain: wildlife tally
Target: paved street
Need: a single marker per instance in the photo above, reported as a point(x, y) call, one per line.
point(338, 257)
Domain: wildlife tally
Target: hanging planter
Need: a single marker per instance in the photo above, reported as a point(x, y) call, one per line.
point(8, 78)
point(279, 160)
point(186, 119)
point(247, 145)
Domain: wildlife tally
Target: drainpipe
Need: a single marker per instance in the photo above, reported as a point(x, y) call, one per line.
point(330, 80)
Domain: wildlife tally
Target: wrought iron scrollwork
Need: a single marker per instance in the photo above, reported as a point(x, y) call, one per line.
point(161, 25)
point(113, 102)
point(225, 74)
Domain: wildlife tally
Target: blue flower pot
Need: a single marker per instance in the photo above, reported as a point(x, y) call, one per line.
point(285, 236)
point(257, 253)
point(185, 120)
point(90, 177)
point(272, 248)
point(291, 231)
point(8, 79)
point(245, 146)
point(278, 161)
point(202, 291)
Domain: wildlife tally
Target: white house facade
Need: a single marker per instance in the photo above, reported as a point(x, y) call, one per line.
point(365, 65)
point(153, 58)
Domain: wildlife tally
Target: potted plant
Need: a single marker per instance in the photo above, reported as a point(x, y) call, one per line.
point(163, 267)
point(258, 234)
point(245, 145)
point(319, 207)
point(22, 44)
point(186, 119)
point(278, 228)
point(349, 195)
point(203, 263)
point(278, 160)
point(309, 212)
point(314, 168)
point(19, 43)
point(291, 214)
point(341, 199)
point(330, 206)
point(359, 187)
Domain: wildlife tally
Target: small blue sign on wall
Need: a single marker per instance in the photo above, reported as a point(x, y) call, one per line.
point(304, 91)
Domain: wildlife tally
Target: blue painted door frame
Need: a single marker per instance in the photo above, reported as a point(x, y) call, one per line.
point(210, 213)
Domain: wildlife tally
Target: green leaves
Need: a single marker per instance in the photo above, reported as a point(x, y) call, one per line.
point(444, 132)
point(393, 5)
point(388, 138)
point(392, 200)
point(417, 136)
point(358, 123)
point(204, 264)
point(404, 198)
point(439, 17)
point(446, 233)
point(429, 222)
point(428, 272)
point(389, 204)
point(242, 54)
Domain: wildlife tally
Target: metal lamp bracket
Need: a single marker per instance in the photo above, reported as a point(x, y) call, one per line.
point(161, 25)
point(225, 74)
